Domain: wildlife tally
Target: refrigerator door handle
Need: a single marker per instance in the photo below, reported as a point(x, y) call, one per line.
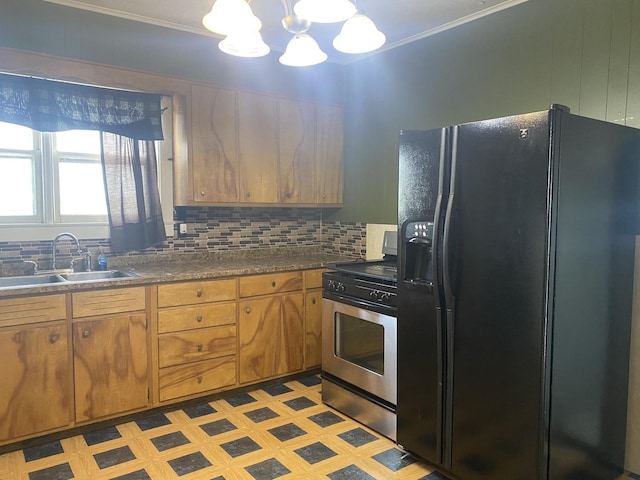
point(446, 238)
point(447, 422)
point(436, 221)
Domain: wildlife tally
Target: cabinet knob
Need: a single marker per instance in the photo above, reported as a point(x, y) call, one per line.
point(53, 338)
point(247, 309)
point(199, 293)
point(200, 347)
point(202, 193)
point(313, 300)
point(199, 318)
point(199, 378)
point(288, 194)
point(324, 195)
point(86, 333)
point(273, 284)
point(248, 194)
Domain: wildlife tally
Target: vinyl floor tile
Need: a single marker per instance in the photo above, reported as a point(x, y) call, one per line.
point(283, 431)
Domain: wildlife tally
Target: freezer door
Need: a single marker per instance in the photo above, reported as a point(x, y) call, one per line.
point(495, 270)
point(422, 174)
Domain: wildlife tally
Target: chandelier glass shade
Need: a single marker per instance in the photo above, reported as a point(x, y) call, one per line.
point(231, 16)
point(302, 51)
point(358, 35)
point(249, 44)
point(324, 11)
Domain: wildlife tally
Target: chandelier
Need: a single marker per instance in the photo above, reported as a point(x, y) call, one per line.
point(235, 20)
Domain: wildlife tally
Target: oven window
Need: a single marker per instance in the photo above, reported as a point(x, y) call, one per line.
point(360, 342)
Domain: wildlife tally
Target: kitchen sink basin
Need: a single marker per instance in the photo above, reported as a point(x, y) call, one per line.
point(97, 275)
point(30, 280)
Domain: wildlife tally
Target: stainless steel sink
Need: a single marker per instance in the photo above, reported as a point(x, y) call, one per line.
point(30, 280)
point(96, 275)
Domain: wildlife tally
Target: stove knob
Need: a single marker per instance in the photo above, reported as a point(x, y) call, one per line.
point(384, 298)
point(332, 285)
point(340, 287)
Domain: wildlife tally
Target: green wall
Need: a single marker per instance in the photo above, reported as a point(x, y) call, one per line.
point(581, 53)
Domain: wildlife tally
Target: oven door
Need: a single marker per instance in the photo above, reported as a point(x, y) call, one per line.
point(359, 347)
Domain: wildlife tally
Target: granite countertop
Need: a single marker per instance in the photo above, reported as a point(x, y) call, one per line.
point(156, 269)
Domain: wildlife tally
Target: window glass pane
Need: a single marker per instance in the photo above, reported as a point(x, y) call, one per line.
point(15, 137)
point(81, 188)
point(17, 195)
point(78, 141)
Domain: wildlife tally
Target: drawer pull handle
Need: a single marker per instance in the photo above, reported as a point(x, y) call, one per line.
point(199, 378)
point(199, 293)
point(200, 347)
point(313, 301)
point(199, 318)
point(247, 309)
point(53, 338)
point(86, 333)
point(248, 194)
point(273, 284)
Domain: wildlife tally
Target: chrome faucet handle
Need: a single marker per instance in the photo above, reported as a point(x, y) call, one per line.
point(35, 265)
point(87, 261)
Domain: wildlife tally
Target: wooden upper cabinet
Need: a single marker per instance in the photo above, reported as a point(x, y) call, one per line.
point(258, 148)
point(214, 145)
point(297, 145)
point(255, 149)
point(329, 162)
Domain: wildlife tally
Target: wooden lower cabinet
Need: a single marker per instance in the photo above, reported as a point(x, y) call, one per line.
point(35, 391)
point(110, 365)
point(271, 336)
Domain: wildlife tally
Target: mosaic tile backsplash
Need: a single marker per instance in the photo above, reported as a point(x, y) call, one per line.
point(213, 230)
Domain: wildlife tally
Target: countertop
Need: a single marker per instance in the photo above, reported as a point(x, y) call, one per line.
point(181, 267)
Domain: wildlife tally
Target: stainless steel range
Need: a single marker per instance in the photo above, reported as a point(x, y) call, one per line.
point(359, 341)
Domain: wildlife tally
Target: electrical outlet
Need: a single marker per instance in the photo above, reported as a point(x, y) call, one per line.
point(183, 229)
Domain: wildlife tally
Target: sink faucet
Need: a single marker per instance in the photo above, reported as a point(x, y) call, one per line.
point(55, 245)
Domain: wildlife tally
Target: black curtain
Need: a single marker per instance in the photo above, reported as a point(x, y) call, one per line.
point(131, 185)
point(50, 106)
point(129, 122)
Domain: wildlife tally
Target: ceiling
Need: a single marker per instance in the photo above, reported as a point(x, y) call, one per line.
point(402, 21)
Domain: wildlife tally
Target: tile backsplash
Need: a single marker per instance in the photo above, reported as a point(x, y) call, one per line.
point(216, 230)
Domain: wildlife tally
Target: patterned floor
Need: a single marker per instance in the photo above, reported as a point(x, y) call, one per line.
point(282, 431)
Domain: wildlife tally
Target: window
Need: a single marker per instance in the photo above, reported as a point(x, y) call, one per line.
point(52, 177)
point(52, 182)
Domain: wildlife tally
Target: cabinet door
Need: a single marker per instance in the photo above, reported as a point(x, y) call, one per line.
point(329, 154)
point(35, 393)
point(214, 144)
point(258, 144)
point(110, 365)
point(313, 328)
point(271, 337)
point(297, 144)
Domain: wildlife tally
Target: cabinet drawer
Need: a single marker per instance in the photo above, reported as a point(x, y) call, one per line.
point(196, 377)
point(199, 316)
point(18, 311)
point(190, 293)
point(313, 278)
point(103, 302)
point(195, 345)
point(270, 283)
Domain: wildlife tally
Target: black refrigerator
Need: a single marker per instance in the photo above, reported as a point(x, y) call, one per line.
point(516, 245)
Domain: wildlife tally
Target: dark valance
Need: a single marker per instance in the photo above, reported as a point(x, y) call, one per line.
point(51, 106)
